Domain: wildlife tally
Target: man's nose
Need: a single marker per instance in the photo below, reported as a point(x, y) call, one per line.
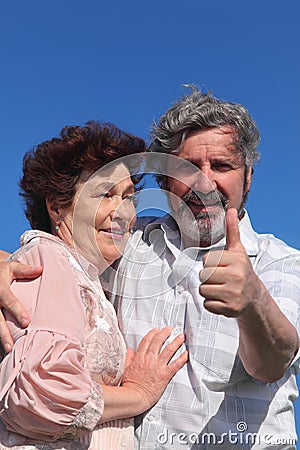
point(203, 181)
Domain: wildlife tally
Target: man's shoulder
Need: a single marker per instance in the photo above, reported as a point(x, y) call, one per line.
point(264, 242)
point(142, 229)
point(145, 224)
point(143, 221)
point(276, 255)
point(276, 246)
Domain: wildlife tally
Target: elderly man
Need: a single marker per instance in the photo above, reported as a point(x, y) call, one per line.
point(203, 270)
point(237, 390)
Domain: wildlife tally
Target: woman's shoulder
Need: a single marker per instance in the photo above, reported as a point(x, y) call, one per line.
point(38, 247)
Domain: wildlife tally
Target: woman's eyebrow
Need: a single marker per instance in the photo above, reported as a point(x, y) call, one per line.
point(105, 185)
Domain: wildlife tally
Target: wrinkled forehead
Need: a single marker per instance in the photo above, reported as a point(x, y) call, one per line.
point(221, 130)
point(108, 176)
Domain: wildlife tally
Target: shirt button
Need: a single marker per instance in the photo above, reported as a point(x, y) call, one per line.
point(180, 289)
point(150, 417)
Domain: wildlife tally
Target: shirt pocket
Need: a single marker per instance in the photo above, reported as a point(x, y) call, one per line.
point(213, 350)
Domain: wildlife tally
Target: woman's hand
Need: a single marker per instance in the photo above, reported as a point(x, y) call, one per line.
point(150, 369)
point(10, 271)
point(146, 375)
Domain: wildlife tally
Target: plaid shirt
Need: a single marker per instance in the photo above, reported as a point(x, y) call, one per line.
point(212, 402)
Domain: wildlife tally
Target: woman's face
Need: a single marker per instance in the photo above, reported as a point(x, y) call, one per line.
point(103, 214)
point(115, 216)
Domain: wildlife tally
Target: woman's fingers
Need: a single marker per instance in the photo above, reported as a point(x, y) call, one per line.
point(152, 346)
point(177, 364)
point(169, 351)
point(147, 340)
point(154, 341)
point(158, 340)
point(151, 370)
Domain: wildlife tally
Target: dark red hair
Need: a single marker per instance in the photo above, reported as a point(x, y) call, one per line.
point(52, 169)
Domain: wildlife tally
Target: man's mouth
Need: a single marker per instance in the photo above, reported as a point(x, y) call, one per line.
point(199, 206)
point(205, 203)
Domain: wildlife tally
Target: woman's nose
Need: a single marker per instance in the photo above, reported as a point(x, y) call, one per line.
point(122, 209)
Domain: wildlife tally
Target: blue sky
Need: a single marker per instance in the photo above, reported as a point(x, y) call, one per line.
point(65, 62)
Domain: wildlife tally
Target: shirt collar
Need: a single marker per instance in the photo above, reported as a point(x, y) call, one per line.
point(249, 237)
point(172, 237)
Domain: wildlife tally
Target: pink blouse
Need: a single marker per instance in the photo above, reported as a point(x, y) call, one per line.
point(50, 383)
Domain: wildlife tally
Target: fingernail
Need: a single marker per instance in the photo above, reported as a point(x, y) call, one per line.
point(7, 347)
point(24, 322)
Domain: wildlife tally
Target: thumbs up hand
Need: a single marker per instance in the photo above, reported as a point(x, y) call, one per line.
point(267, 340)
point(228, 281)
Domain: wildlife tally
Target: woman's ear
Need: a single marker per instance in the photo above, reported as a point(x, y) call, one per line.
point(54, 211)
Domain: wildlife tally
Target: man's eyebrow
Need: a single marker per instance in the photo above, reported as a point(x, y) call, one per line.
point(187, 160)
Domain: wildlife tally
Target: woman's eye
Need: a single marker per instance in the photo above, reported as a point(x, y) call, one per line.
point(100, 195)
point(129, 198)
point(132, 198)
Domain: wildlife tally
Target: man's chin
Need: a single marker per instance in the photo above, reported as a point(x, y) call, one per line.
point(203, 232)
point(204, 241)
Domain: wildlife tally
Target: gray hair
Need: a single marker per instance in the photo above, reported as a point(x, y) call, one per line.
point(198, 112)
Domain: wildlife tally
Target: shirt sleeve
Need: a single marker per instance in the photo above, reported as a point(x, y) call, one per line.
point(47, 391)
point(281, 277)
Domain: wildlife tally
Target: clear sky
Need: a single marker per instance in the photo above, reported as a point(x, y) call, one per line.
point(64, 62)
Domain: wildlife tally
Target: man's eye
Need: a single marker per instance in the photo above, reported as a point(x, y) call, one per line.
point(223, 167)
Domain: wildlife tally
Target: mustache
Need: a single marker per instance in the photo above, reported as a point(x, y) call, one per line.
point(208, 198)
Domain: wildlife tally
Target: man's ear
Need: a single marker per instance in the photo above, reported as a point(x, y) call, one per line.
point(54, 211)
point(248, 179)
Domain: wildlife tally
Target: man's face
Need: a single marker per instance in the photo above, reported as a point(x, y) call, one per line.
point(213, 180)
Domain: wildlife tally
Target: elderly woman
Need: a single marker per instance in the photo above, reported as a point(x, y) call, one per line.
point(66, 384)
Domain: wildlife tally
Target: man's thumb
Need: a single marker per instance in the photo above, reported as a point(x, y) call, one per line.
point(232, 229)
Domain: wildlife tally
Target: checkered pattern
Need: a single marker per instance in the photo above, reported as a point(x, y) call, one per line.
point(211, 401)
